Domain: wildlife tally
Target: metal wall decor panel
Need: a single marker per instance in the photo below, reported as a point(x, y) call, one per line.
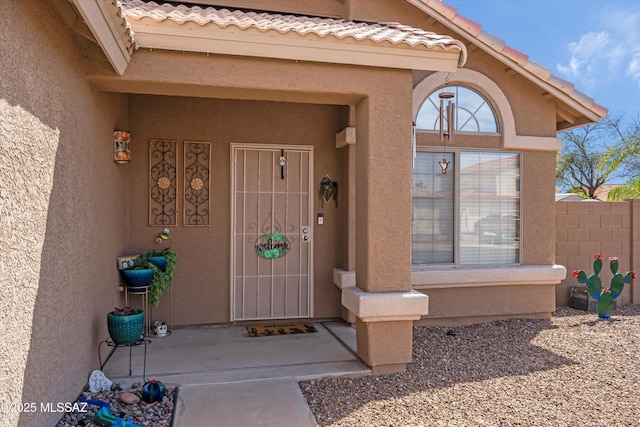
point(163, 201)
point(197, 184)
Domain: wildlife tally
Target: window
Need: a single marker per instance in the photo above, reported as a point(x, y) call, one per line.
point(472, 113)
point(471, 215)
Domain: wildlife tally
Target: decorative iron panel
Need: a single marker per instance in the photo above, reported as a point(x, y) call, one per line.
point(197, 165)
point(163, 202)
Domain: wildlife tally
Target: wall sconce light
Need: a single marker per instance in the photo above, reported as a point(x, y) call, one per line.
point(447, 122)
point(121, 149)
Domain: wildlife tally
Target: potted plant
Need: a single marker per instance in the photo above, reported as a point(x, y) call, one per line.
point(163, 263)
point(138, 276)
point(125, 325)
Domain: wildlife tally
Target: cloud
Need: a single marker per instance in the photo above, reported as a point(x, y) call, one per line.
point(589, 56)
point(608, 52)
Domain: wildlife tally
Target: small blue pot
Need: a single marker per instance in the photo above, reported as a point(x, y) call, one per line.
point(158, 261)
point(138, 281)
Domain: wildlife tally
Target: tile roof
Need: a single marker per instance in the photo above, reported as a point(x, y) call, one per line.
point(497, 45)
point(377, 33)
point(124, 29)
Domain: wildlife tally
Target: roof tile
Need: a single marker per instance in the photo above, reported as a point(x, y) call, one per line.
point(521, 58)
point(471, 26)
point(450, 14)
point(378, 33)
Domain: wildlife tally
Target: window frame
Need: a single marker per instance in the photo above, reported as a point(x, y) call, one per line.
point(458, 106)
point(456, 152)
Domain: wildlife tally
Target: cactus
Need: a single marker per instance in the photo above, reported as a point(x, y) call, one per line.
point(605, 297)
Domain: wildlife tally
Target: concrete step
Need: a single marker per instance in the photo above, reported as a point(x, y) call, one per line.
point(303, 371)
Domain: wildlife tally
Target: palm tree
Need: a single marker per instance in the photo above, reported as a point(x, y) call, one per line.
point(630, 190)
point(585, 164)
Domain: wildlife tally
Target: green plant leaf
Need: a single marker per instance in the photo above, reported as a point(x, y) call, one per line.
point(617, 285)
point(594, 286)
point(614, 265)
point(605, 305)
point(582, 277)
point(597, 265)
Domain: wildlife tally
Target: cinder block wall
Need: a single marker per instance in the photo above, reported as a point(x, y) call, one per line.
point(587, 228)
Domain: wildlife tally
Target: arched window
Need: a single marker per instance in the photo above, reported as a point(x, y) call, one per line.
point(473, 113)
point(470, 215)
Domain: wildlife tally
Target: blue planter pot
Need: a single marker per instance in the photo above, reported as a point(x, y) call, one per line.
point(125, 330)
point(138, 281)
point(158, 261)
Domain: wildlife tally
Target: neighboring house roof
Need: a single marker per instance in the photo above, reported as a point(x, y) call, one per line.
point(333, 40)
point(602, 193)
point(582, 108)
point(568, 197)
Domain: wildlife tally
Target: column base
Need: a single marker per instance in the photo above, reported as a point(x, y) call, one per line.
point(385, 346)
point(384, 326)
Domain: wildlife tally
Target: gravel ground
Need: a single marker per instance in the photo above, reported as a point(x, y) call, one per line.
point(570, 370)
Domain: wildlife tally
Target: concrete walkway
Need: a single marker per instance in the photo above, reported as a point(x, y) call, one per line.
point(229, 379)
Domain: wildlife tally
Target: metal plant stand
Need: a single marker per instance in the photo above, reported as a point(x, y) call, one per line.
point(109, 342)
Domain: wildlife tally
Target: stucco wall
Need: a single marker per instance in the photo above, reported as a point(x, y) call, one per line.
point(587, 228)
point(62, 214)
point(306, 105)
point(201, 294)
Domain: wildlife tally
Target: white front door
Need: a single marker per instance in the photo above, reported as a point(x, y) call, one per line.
point(271, 218)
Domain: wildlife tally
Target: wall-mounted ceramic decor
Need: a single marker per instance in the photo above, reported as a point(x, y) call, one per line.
point(328, 190)
point(197, 165)
point(163, 199)
point(121, 146)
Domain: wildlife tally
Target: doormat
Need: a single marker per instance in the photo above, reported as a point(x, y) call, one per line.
point(267, 331)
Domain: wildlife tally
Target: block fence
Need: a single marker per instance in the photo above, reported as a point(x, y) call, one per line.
point(586, 228)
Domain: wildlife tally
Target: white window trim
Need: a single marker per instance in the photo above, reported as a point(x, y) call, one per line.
point(465, 277)
point(501, 106)
point(443, 277)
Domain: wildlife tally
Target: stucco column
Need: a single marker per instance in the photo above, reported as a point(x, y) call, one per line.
point(383, 198)
point(382, 300)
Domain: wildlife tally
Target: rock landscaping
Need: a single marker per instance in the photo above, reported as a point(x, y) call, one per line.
point(156, 414)
point(571, 370)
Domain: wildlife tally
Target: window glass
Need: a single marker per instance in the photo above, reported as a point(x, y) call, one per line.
point(472, 113)
point(433, 205)
point(471, 220)
point(489, 208)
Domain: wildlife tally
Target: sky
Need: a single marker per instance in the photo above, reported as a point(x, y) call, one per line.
point(594, 44)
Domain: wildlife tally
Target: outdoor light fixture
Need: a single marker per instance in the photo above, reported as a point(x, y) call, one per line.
point(447, 125)
point(121, 149)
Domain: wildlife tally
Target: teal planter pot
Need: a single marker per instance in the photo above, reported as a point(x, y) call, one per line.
point(158, 261)
point(125, 330)
point(138, 281)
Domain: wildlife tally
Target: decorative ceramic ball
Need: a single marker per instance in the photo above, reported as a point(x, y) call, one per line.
point(153, 391)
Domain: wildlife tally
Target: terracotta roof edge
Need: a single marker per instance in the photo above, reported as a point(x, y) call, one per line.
point(448, 15)
point(223, 17)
